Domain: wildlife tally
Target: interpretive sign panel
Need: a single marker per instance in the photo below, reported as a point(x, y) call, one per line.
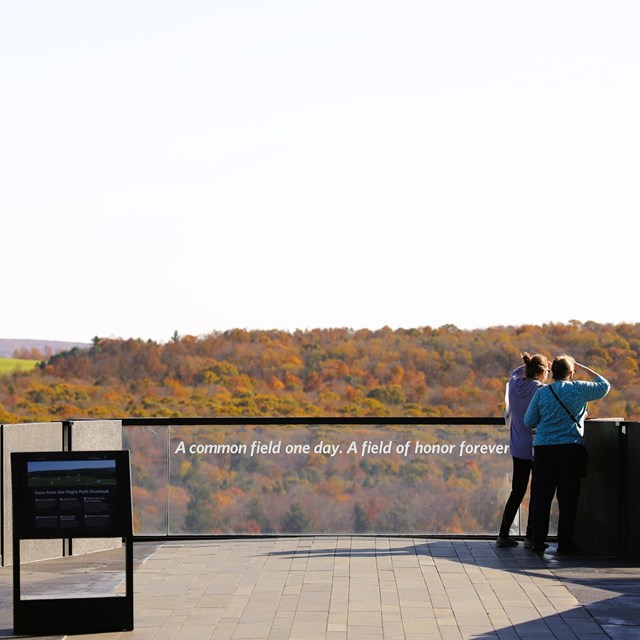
point(72, 494)
point(77, 497)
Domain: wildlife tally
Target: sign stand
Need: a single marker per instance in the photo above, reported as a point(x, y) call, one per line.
point(70, 495)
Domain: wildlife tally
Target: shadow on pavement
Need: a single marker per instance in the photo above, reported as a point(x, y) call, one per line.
point(608, 589)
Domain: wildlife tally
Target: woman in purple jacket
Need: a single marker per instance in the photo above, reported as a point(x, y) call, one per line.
point(524, 382)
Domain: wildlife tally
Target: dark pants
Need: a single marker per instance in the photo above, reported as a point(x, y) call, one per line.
point(558, 470)
point(519, 481)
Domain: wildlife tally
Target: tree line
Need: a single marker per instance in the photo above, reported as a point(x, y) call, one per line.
point(425, 371)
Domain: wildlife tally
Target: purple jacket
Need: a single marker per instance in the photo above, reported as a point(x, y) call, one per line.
point(518, 395)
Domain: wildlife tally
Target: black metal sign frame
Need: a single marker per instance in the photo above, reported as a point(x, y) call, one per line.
point(66, 495)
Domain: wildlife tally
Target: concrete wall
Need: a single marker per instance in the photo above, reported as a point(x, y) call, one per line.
point(95, 435)
point(633, 489)
point(85, 435)
point(45, 436)
point(600, 507)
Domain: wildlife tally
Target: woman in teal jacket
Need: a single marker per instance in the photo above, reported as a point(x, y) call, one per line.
point(557, 414)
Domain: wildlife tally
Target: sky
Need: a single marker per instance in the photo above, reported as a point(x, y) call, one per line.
point(204, 165)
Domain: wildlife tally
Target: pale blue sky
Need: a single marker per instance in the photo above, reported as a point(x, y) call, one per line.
point(206, 165)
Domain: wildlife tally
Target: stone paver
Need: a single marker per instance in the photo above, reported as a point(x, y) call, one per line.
point(345, 588)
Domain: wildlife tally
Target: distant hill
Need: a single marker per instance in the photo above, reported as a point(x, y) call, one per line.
point(332, 372)
point(9, 346)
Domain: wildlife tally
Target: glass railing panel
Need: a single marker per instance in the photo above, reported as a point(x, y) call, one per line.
point(150, 487)
point(296, 479)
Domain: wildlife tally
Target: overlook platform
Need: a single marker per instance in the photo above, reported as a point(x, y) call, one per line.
point(344, 588)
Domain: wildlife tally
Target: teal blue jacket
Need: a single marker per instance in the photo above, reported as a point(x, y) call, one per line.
point(551, 422)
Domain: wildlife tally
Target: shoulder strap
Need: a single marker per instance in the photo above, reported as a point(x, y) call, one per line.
point(555, 395)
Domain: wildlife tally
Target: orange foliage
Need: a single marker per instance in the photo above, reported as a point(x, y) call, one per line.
point(413, 372)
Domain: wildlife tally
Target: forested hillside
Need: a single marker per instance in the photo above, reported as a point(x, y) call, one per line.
point(334, 372)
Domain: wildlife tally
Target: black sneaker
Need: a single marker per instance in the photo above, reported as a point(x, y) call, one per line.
point(506, 542)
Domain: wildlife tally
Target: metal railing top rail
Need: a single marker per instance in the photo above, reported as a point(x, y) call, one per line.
point(333, 420)
point(313, 420)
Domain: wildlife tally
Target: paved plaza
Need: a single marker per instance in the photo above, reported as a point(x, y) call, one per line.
point(348, 588)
